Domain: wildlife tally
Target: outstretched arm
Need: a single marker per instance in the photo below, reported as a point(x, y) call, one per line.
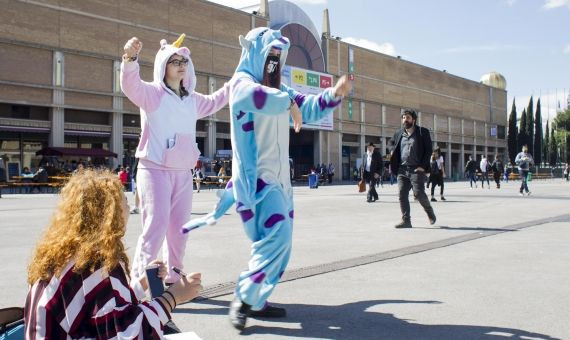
point(315, 107)
point(208, 104)
point(249, 96)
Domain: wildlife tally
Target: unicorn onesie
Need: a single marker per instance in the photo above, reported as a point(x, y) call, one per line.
point(167, 153)
point(260, 185)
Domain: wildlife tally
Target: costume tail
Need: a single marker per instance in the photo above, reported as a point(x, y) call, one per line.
point(226, 201)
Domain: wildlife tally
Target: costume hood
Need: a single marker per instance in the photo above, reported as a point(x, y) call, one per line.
point(164, 53)
point(256, 46)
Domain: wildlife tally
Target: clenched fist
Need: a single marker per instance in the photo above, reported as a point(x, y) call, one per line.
point(132, 48)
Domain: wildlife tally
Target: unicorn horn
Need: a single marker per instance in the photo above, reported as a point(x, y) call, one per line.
point(179, 41)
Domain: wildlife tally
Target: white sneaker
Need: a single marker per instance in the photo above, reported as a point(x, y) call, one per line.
point(528, 193)
point(521, 194)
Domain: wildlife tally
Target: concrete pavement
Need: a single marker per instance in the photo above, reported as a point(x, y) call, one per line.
point(494, 265)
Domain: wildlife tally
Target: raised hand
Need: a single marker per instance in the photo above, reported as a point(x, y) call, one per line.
point(297, 117)
point(342, 87)
point(132, 48)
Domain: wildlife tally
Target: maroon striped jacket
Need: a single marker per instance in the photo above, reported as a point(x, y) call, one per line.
point(95, 304)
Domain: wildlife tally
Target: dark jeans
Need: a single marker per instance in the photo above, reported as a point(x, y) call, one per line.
point(524, 177)
point(472, 179)
point(436, 179)
point(497, 177)
point(408, 179)
point(484, 176)
point(372, 194)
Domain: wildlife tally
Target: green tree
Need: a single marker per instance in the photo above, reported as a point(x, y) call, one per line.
point(529, 128)
point(521, 139)
point(562, 122)
point(512, 133)
point(538, 135)
point(552, 148)
point(546, 145)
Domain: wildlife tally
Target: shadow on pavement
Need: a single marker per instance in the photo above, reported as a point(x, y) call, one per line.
point(465, 228)
point(354, 321)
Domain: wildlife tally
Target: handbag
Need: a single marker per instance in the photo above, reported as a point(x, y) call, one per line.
point(362, 186)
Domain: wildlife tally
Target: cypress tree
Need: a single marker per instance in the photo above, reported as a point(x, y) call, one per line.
point(546, 144)
point(538, 135)
point(521, 139)
point(512, 133)
point(529, 129)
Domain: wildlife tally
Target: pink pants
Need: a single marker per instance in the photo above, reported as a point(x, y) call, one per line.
point(166, 204)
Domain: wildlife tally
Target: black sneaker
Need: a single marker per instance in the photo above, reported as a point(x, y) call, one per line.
point(171, 328)
point(403, 224)
point(269, 312)
point(433, 199)
point(443, 198)
point(239, 311)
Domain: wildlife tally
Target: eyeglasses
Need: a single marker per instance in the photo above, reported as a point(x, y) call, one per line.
point(178, 62)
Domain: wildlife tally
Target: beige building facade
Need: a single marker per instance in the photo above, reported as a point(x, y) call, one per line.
point(59, 69)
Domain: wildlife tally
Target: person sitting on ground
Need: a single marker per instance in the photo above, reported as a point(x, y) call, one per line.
point(82, 257)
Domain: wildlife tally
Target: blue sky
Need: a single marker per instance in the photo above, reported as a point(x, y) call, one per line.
point(527, 41)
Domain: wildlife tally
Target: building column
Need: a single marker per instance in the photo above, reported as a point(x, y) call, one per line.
point(448, 160)
point(210, 141)
point(117, 138)
point(462, 149)
point(57, 113)
point(383, 138)
point(117, 117)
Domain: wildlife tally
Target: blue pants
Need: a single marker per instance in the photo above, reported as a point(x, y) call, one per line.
point(271, 231)
point(524, 177)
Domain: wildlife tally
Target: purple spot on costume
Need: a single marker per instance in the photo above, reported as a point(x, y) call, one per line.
point(273, 219)
point(259, 97)
point(257, 277)
point(247, 126)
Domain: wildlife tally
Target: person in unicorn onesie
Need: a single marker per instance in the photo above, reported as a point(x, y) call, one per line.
point(167, 151)
point(260, 184)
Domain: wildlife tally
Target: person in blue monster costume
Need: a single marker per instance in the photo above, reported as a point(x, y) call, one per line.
point(260, 109)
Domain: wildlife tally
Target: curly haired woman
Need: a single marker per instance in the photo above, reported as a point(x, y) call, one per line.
point(79, 287)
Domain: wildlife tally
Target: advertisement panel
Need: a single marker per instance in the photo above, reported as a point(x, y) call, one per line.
point(309, 82)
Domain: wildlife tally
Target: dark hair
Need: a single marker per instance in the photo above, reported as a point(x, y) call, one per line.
point(410, 112)
point(274, 79)
point(183, 91)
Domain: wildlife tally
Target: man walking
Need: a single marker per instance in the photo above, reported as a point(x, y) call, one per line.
point(371, 170)
point(470, 168)
point(410, 160)
point(524, 160)
point(498, 169)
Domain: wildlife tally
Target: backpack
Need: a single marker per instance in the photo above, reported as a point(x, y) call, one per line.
point(434, 169)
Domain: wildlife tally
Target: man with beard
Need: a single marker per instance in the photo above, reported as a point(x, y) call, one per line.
point(410, 161)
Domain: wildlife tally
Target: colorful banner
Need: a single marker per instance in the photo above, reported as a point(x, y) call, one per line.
point(309, 82)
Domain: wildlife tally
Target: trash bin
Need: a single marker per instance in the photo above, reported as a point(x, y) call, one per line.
point(313, 181)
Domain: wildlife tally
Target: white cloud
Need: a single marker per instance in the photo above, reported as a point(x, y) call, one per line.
point(309, 2)
point(567, 49)
point(481, 48)
point(386, 48)
point(551, 4)
point(510, 2)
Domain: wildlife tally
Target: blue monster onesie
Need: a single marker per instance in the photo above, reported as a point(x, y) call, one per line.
point(260, 181)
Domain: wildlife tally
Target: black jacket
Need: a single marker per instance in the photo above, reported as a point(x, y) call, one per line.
point(376, 166)
point(424, 148)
